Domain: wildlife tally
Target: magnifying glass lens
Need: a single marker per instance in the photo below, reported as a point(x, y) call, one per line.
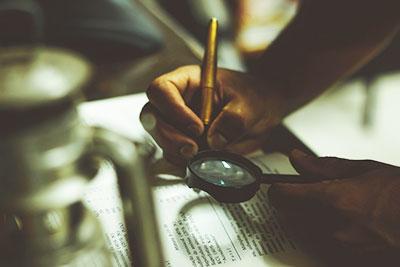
point(222, 172)
point(231, 178)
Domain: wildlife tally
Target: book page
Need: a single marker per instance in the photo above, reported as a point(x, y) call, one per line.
point(195, 230)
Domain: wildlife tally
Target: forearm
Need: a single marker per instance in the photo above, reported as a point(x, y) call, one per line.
point(325, 42)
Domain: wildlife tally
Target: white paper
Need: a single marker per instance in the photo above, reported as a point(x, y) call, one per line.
point(194, 229)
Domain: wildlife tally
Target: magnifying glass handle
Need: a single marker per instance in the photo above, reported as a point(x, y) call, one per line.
point(287, 179)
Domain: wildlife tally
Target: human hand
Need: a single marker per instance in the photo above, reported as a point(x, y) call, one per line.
point(244, 111)
point(358, 206)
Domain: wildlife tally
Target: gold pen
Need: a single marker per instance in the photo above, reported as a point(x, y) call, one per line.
point(209, 73)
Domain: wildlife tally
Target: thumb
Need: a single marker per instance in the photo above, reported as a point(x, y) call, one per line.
point(231, 123)
point(330, 167)
point(306, 197)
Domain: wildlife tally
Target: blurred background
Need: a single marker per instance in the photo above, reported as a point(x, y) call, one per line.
point(50, 49)
point(130, 42)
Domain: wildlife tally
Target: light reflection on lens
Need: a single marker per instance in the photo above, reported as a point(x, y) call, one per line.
point(222, 172)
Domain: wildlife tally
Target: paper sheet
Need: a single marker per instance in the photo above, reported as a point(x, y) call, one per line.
point(195, 230)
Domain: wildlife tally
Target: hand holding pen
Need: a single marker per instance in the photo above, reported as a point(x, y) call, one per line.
point(244, 109)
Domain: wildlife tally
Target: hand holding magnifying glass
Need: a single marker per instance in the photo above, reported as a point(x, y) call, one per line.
point(232, 178)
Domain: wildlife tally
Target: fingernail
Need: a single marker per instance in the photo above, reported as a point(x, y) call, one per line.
point(194, 129)
point(217, 141)
point(148, 121)
point(188, 151)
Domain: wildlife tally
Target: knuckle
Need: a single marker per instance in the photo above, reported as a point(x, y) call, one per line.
point(329, 161)
point(370, 164)
point(335, 166)
point(155, 87)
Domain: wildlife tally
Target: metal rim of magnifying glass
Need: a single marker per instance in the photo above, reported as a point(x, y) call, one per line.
point(223, 193)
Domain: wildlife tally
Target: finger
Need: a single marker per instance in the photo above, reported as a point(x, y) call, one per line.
point(358, 236)
point(232, 122)
point(295, 196)
point(174, 159)
point(171, 140)
point(247, 145)
point(166, 93)
point(310, 206)
point(330, 167)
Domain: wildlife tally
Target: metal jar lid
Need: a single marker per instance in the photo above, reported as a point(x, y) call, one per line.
point(37, 83)
point(38, 76)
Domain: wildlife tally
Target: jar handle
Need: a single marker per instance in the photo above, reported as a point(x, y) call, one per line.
point(136, 196)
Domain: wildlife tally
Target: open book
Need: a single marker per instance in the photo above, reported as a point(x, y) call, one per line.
point(195, 230)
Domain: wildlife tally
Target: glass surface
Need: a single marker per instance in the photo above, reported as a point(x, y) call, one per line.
point(222, 172)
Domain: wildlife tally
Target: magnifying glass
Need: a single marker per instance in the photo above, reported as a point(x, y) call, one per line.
point(231, 178)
